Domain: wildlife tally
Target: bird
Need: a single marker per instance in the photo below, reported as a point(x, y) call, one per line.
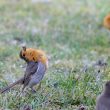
point(37, 63)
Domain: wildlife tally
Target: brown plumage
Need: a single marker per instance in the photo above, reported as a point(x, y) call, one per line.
point(38, 63)
point(35, 70)
point(35, 55)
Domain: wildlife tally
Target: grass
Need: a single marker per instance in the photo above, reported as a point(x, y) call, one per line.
point(72, 34)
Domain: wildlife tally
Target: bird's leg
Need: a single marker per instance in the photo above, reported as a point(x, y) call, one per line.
point(33, 90)
point(39, 86)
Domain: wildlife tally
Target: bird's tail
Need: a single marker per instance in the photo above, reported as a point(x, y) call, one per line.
point(20, 81)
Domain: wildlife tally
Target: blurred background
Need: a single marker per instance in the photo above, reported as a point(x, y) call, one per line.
point(71, 32)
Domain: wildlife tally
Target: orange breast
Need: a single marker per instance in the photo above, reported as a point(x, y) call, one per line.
point(36, 55)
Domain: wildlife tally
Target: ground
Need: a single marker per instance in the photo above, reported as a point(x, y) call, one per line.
point(71, 32)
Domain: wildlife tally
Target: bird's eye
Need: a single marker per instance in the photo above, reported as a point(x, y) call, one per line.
point(33, 58)
point(23, 55)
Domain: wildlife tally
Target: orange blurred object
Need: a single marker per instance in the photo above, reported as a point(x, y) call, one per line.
point(107, 21)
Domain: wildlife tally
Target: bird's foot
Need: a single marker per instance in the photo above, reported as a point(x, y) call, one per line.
point(33, 90)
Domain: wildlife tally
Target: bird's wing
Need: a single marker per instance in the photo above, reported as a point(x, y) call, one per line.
point(30, 69)
point(38, 75)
